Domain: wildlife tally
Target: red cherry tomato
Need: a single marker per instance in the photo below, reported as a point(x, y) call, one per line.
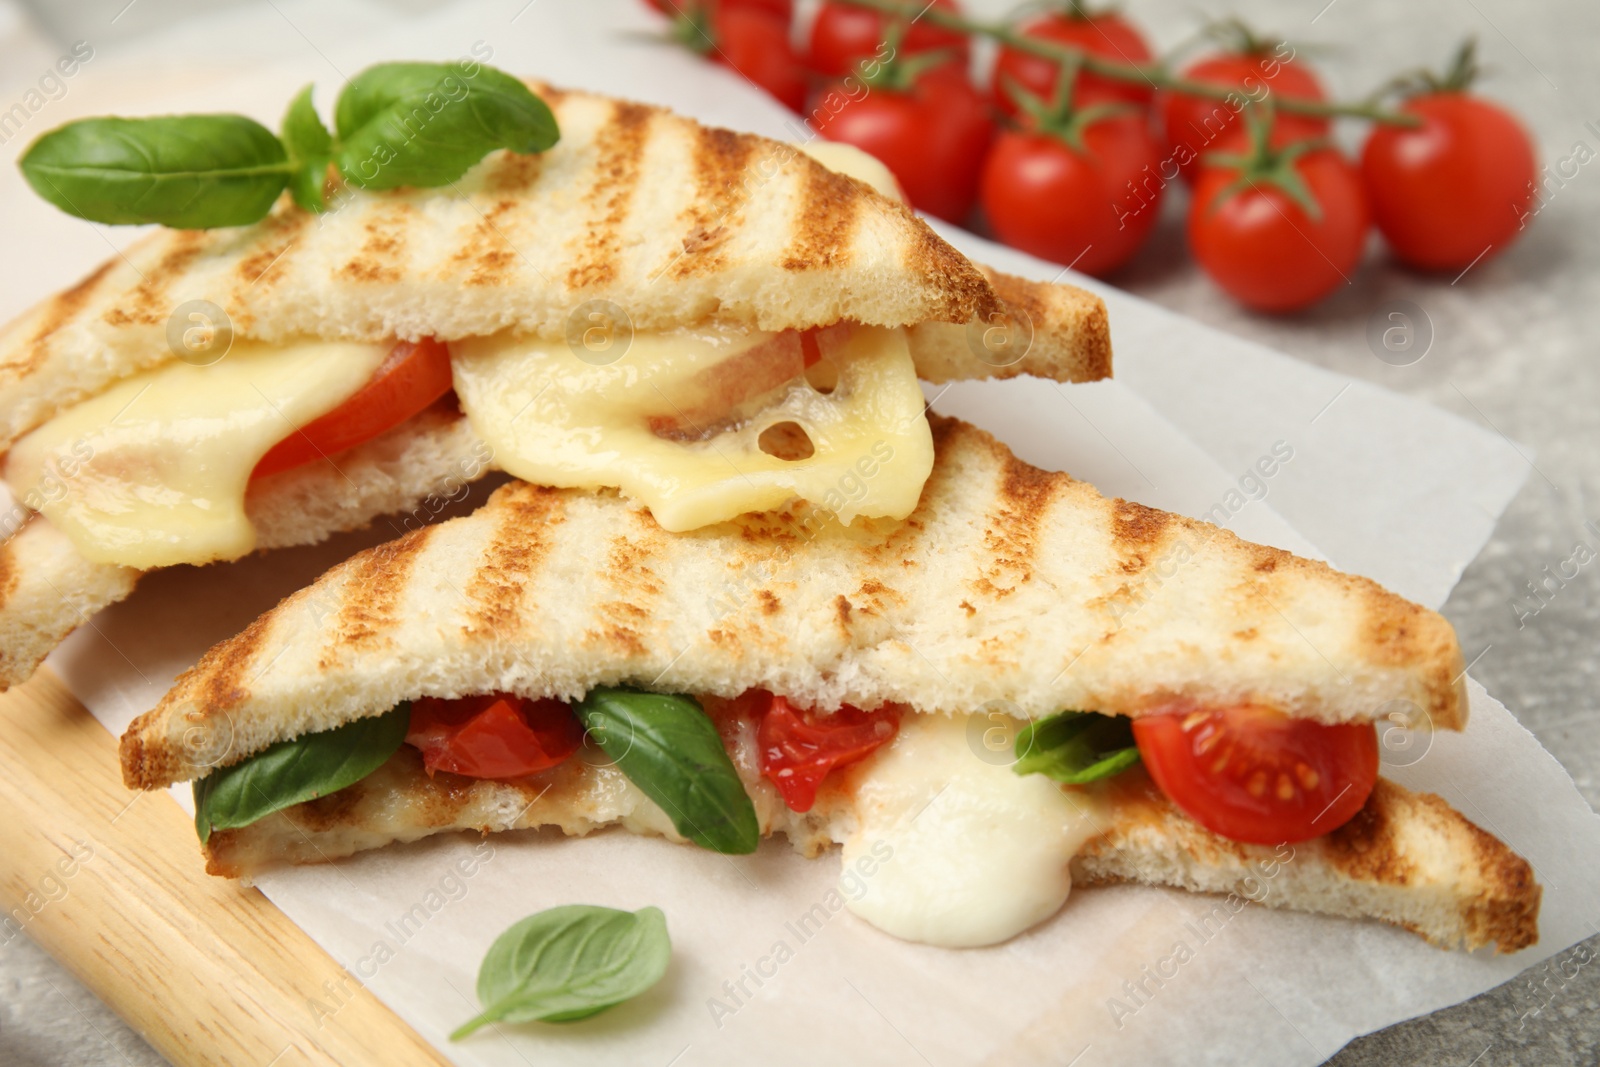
point(495, 736)
point(1456, 188)
point(782, 9)
point(410, 378)
point(932, 137)
point(755, 43)
point(799, 748)
point(1194, 124)
point(1262, 247)
point(1256, 775)
point(842, 36)
point(1108, 35)
point(1076, 208)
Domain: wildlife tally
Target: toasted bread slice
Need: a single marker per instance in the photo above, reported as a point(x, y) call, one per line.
point(1406, 858)
point(1009, 588)
point(672, 221)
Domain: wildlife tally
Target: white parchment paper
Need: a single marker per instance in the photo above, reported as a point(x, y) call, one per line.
point(764, 970)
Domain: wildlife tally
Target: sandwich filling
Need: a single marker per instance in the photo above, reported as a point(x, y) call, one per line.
point(700, 423)
point(968, 824)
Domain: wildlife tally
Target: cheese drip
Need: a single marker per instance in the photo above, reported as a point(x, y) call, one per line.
point(978, 853)
point(153, 471)
point(706, 423)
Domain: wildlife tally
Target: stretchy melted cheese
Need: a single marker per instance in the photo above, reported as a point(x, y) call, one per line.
point(703, 424)
point(152, 472)
point(979, 853)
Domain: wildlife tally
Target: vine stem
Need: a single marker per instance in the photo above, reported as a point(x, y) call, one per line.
point(1152, 74)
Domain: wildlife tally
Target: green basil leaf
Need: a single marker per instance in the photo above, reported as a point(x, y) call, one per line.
point(186, 171)
point(310, 148)
point(425, 124)
point(570, 963)
point(291, 772)
point(1075, 747)
point(670, 749)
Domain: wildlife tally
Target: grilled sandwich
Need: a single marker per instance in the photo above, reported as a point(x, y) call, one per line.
point(678, 311)
point(850, 681)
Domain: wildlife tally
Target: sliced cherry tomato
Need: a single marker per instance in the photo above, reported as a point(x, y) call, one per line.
point(1264, 248)
point(494, 736)
point(1254, 774)
point(1454, 189)
point(411, 377)
point(1194, 124)
point(1089, 209)
point(799, 748)
point(933, 136)
point(843, 36)
point(1105, 34)
point(755, 43)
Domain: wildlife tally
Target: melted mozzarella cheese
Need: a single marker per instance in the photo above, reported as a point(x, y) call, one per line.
point(977, 853)
point(702, 424)
point(153, 471)
point(849, 160)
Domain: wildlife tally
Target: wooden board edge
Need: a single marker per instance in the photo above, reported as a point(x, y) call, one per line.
point(111, 883)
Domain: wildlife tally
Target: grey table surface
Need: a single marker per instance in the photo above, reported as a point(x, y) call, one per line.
point(1515, 349)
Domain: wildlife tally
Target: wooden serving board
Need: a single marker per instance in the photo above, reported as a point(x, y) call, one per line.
point(110, 882)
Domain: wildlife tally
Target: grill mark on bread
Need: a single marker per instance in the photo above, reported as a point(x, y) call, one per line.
point(514, 173)
point(620, 144)
point(148, 304)
point(720, 162)
point(488, 248)
point(8, 567)
point(1011, 529)
point(63, 308)
point(374, 583)
point(825, 220)
point(281, 231)
point(382, 254)
point(516, 551)
point(628, 570)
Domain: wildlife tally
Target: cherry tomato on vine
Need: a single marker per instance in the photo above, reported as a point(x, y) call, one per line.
point(493, 736)
point(932, 136)
point(798, 748)
point(1106, 34)
point(842, 36)
point(1075, 205)
point(755, 43)
point(1256, 775)
point(1195, 124)
point(1269, 251)
point(782, 9)
point(1454, 189)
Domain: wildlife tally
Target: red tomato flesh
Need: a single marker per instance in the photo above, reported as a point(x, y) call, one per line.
point(1107, 35)
point(755, 43)
point(1256, 775)
point(493, 736)
point(411, 377)
point(799, 748)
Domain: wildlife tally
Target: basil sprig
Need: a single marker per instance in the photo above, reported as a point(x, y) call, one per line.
point(670, 749)
point(291, 772)
point(1076, 747)
point(419, 124)
point(569, 963)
